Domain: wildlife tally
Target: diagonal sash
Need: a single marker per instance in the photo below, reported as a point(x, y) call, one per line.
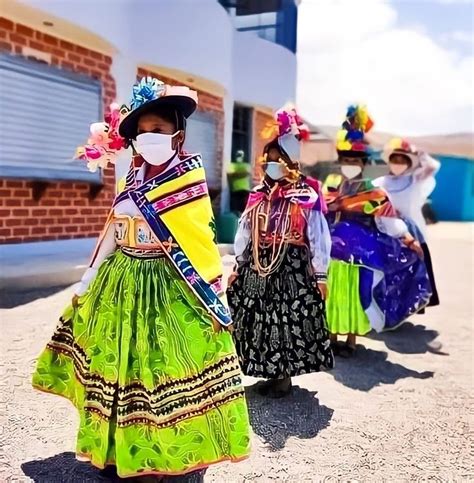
point(206, 292)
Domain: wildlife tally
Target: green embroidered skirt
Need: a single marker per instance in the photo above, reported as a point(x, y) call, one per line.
point(157, 389)
point(344, 311)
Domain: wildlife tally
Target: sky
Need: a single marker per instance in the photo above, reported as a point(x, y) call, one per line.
point(410, 61)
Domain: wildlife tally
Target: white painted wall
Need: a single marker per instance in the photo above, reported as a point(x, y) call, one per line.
point(264, 73)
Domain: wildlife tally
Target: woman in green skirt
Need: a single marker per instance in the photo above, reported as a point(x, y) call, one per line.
point(144, 352)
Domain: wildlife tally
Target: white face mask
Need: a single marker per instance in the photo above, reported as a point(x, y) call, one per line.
point(156, 148)
point(351, 171)
point(397, 169)
point(275, 170)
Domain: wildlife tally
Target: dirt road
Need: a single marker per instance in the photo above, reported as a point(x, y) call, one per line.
point(398, 412)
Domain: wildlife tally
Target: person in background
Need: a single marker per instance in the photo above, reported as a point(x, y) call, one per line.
point(239, 177)
point(277, 291)
point(377, 277)
point(144, 351)
point(410, 182)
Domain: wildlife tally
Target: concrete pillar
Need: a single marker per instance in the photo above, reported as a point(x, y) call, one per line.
point(227, 152)
point(124, 71)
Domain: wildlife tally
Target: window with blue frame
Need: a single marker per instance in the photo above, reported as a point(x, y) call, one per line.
point(45, 115)
point(273, 20)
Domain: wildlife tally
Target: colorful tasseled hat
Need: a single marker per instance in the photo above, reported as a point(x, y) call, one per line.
point(401, 146)
point(350, 139)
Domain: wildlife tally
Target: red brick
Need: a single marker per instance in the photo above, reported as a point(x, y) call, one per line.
point(23, 30)
point(38, 230)
point(34, 44)
point(13, 222)
point(18, 49)
point(48, 202)
point(74, 57)
point(32, 203)
point(5, 231)
point(81, 50)
point(56, 193)
point(3, 34)
point(49, 39)
point(21, 212)
point(66, 45)
point(31, 221)
point(39, 212)
point(5, 192)
point(96, 55)
point(56, 52)
point(55, 229)
point(68, 211)
point(15, 184)
point(13, 202)
point(72, 229)
point(90, 62)
point(5, 46)
point(55, 212)
point(23, 192)
point(6, 24)
point(64, 221)
point(4, 213)
point(18, 39)
point(20, 231)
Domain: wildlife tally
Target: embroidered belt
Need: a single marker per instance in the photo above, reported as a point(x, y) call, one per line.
point(289, 240)
point(146, 253)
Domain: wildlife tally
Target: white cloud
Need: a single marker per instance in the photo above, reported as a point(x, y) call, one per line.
point(355, 52)
point(462, 36)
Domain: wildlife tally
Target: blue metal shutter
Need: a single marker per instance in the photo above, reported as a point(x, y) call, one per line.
point(45, 114)
point(201, 134)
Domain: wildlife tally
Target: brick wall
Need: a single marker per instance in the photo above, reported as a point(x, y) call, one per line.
point(260, 120)
point(66, 209)
point(207, 103)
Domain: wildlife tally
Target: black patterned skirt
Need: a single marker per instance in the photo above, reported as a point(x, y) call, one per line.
point(280, 323)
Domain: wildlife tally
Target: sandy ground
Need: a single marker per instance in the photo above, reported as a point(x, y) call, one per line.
point(400, 411)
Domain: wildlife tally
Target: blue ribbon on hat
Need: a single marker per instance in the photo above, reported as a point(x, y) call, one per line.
point(148, 89)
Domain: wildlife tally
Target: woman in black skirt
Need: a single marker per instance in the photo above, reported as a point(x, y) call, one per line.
point(278, 287)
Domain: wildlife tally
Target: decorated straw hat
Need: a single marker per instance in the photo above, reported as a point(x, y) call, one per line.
point(401, 146)
point(350, 140)
point(149, 94)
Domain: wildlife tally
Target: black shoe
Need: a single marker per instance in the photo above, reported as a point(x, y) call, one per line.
point(347, 351)
point(109, 471)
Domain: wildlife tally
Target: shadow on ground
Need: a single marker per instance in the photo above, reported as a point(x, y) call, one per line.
point(370, 368)
point(62, 468)
point(9, 299)
point(298, 414)
point(411, 339)
point(65, 468)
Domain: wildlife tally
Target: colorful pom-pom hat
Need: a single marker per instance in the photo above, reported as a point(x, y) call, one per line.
point(350, 140)
point(401, 146)
point(150, 93)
